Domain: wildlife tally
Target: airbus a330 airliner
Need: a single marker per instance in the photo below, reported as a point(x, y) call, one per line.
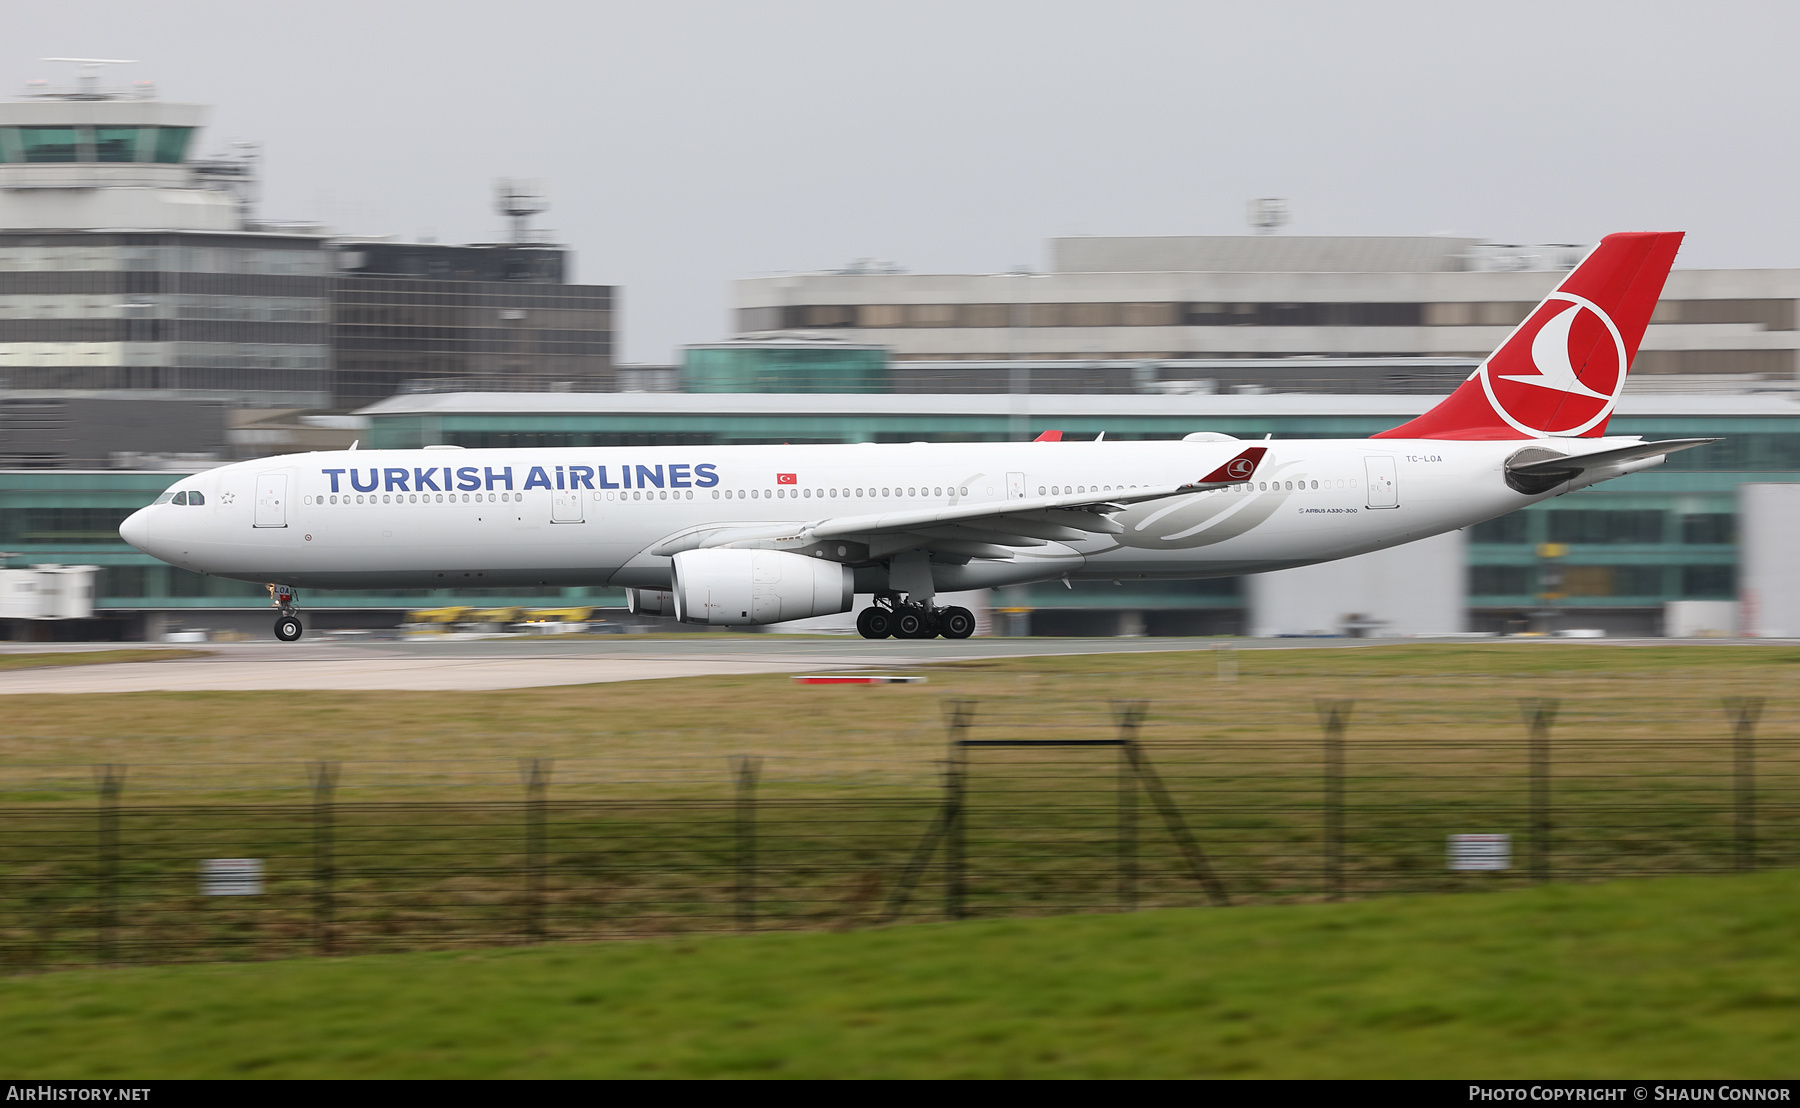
point(745, 535)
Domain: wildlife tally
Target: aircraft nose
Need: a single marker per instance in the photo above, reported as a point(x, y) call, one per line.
point(136, 529)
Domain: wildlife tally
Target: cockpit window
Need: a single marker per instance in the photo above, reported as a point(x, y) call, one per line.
point(164, 498)
point(180, 498)
point(195, 498)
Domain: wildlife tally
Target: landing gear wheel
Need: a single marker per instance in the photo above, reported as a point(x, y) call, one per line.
point(287, 628)
point(956, 623)
point(913, 624)
point(875, 623)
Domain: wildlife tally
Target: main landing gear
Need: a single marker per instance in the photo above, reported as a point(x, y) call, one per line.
point(890, 617)
point(287, 624)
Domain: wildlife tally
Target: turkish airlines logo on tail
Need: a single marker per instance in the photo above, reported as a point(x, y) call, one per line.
point(1561, 372)
point(1239, 468)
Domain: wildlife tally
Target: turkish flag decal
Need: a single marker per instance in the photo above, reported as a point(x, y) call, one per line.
point(787, 478)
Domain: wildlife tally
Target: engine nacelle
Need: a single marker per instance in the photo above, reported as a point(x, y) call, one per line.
point(650, 602)
point(738, 587)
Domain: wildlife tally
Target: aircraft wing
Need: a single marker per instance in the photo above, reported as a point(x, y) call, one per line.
point(984, 530)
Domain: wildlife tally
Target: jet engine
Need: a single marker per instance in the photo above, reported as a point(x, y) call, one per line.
point(649, 602)
point(737, 587)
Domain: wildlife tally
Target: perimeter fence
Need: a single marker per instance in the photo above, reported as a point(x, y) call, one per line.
point(1032, 806)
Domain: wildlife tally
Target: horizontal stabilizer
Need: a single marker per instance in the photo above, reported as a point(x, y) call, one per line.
point(1539, 469)
point(1603, 459)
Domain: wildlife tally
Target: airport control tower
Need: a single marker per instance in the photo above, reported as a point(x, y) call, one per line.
point(126, 263)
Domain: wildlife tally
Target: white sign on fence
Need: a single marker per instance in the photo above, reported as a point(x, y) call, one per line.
point(231, 877)
point(1480, 852)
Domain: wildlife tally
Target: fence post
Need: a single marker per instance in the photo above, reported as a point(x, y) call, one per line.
point(744, 768)
point(324, 780)
point(536, 772)
point(111, 781)
point(958, 715)
point(1129, 713)
point(1539, 715)
point(1744, 711)
point(1334, 717)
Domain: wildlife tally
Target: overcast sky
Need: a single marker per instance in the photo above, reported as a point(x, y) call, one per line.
point(687, 144)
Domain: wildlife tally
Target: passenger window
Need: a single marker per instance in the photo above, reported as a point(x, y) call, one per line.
point(195, 498)
point(180, 498)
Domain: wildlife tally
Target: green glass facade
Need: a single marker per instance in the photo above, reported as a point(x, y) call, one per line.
point(1665, 534)
point(784, 367)
point(41, 145)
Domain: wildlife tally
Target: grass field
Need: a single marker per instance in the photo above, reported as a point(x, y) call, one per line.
point(639, 834)
point(678, 735)
point(1684, 977)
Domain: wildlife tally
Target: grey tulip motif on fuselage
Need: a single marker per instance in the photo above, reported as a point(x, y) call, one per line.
point(1203, 518)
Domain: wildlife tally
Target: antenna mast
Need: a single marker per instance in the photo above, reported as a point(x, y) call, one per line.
point(519, 199)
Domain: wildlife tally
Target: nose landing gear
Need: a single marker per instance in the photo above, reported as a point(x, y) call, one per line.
point(287, 624)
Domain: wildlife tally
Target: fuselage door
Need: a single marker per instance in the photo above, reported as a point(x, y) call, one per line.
point(1384, 483)
point(1015, 486)
point(271, 499)
point(565, 506)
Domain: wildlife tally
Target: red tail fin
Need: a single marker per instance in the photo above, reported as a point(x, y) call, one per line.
point(1561, 371)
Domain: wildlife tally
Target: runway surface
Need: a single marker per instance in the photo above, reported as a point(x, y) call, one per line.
point(519, 663)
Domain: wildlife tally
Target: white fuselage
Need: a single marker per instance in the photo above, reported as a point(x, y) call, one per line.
point(444, 517)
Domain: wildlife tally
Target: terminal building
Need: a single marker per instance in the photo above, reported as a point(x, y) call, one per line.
point(1623, 551)
point(1226, 312)
point(131, 266)
point(152, 323)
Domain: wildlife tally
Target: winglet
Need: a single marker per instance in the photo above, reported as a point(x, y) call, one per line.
point(1240, 468)
point(1049, 436)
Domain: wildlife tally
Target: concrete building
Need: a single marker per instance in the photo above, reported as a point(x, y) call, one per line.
point(1769, 602)
point(1417, 589)
point(497, 316)
point(1179, 305)
point(129, 265)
